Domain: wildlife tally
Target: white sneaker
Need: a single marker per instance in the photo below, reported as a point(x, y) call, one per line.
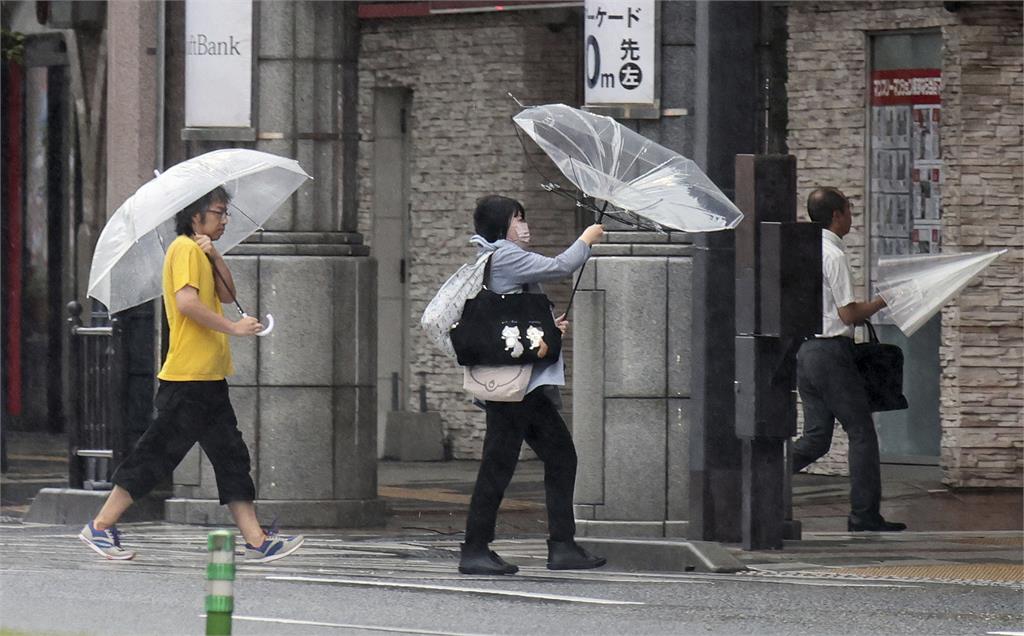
point(105, 542)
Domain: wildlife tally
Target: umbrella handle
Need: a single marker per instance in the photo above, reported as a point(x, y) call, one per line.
point(270, 325)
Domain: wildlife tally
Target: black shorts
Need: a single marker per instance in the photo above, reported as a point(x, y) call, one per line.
point(186, 413)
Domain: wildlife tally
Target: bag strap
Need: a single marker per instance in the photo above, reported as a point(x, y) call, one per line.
point(487, 272)
point(872, 336)
point(487, 275)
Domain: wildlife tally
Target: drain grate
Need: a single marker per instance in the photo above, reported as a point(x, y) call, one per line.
point(1007, 572)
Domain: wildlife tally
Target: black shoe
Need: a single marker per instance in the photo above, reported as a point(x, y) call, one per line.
point(879, 525)
point(569, 555)
point(477, 559)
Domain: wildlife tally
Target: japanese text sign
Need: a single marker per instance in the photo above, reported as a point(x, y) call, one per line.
point(619, 40)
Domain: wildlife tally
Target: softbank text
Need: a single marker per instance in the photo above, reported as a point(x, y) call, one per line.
point(199, 44)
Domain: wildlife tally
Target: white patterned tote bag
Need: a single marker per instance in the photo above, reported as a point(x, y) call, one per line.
point(445, 309)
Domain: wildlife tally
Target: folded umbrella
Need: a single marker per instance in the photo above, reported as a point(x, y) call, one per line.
point(916, 287)
point(127, 265)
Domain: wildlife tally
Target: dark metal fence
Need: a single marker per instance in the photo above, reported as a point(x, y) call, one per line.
point(97, 398)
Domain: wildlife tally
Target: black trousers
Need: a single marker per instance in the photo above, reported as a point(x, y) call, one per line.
point(186, 413)
point(832, 388)
point(536, 421)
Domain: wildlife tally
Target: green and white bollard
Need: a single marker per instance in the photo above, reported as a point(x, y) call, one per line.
point(220, 577)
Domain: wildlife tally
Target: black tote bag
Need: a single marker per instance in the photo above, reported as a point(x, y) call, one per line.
point(505, 329)
point(881, 365)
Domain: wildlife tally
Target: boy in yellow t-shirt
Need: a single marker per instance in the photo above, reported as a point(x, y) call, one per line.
point(192, 402)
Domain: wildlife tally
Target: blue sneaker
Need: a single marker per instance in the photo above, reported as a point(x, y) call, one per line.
point(274, 547)
point(105, 542)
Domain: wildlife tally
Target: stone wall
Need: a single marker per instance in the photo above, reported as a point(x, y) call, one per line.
point(463, 146)
point(982, 344)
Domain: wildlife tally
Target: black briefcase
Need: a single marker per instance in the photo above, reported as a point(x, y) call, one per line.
point(881, 365)
point(501, 329)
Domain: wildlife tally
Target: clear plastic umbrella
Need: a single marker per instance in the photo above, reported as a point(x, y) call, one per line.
point(127, 264)
point(610, 162)
point(916, 287)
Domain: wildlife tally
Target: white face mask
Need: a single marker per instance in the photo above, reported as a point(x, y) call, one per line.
point(519, 233)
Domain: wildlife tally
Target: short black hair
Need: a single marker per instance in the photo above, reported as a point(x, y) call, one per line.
point(823, 202)
point(183, 219)
point(494, 214)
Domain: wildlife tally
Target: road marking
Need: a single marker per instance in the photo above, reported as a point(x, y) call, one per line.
point(820, 583)
point(537, 574)
point(464, 590)
point(1006, 633)
point(371, 628)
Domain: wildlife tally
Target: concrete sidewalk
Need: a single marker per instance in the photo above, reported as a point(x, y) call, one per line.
point(913, 494)
point(954, 535)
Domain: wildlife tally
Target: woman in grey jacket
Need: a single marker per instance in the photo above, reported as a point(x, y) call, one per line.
point(500, 224)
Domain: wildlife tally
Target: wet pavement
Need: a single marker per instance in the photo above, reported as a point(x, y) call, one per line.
point(954, 535)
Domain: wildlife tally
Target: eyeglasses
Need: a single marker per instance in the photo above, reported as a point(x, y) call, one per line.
point(224, 214)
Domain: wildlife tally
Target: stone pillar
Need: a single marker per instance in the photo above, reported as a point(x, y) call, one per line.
point(305, 395)
point(631, 387)
point(132, 91)
point(133, 152)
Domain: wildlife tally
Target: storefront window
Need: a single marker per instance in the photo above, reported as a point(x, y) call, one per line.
point(905, 216)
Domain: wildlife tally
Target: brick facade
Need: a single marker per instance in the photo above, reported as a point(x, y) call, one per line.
point(982, 350)
point(463, 146)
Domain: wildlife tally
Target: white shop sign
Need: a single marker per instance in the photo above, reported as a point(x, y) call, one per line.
point(619, 41)
point(218, 63)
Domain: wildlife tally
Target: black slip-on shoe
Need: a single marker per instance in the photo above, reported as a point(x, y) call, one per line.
point(569, 555)
point(879, 525)
point(477, 559)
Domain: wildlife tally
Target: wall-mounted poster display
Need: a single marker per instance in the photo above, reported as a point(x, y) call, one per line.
point(925, 239)
point(926, 133)
point(905, 163)
point(927, 192)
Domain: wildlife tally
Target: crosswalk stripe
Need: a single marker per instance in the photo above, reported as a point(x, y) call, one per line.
point(370, 628)
point(462, 590)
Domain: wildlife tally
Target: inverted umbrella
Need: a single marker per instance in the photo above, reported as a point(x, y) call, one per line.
point(610, 162)
point(127, 264)
point(916, 287)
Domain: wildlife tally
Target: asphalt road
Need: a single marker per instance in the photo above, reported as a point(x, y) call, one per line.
point(347, 584)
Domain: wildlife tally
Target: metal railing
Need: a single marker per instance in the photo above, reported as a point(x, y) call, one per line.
point(96, 440)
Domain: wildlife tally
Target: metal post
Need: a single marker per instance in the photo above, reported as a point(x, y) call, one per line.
point(118, 387)
point(792, 529)
point(778, 298)
point(715, 453)
point(423, 391)
point(74, 414)
point(220, 577)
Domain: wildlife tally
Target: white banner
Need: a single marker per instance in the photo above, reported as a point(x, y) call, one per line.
point(619, 52)
point(218, 63)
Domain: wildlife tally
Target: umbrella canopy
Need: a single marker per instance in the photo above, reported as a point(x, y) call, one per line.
point(916, 287)
point(610, 162)
point(128, 262)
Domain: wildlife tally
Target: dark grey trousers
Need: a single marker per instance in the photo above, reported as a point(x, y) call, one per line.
point(831, 388)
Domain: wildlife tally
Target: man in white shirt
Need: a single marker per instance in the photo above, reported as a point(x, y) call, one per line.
point(830, 385)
